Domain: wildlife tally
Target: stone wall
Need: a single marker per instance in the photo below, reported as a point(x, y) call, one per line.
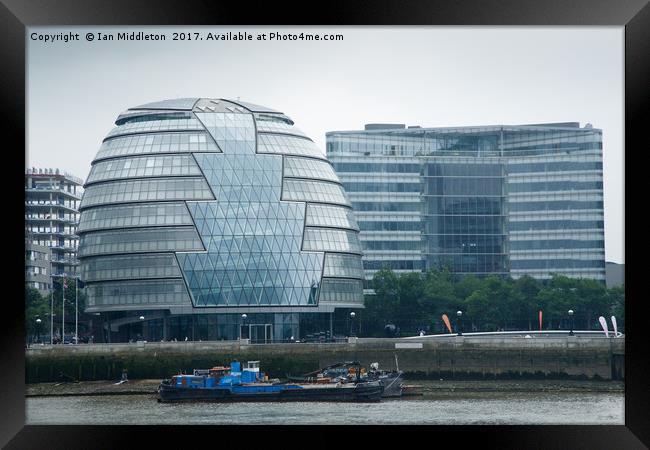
point(453, 357)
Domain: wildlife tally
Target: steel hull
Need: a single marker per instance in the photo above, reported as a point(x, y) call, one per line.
point(362, 392)
point(392, 383)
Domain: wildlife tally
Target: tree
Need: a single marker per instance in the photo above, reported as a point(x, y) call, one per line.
point(493, 303)
point(411, 299)
point(69, 308)
point(555, 298)
point(439, 296)
point(381, 308)
point(592, 296)
point(616, 300)
point(410, 313)
point(526, 290)
point(36, 307)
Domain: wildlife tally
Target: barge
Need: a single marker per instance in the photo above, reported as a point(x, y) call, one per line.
point(234, 384)
point(392, 381)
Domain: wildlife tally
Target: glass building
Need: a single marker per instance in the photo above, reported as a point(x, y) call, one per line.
point(51, 217)
point(215, 219)
point(506, 200)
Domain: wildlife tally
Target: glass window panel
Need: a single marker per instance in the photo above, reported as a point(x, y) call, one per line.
point(341, 265)
point(155, 123)
point(308, 168)
point(139, 240)
point(141, 292)
point(129, 267)
point(314, 191)
point(343, 291)
point(146, 190)
point(138, 215)
point(143, 166)
point(330, 216)
point(287, 145)
point(324, 239)
point(157, 143)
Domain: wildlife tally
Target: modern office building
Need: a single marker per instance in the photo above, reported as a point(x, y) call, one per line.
point(51, 217)
point(505, 200)
point(215, 219)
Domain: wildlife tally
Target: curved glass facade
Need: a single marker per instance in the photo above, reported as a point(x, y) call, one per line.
point(215, 208)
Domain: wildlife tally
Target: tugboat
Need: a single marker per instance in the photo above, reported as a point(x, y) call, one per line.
point(232, 384)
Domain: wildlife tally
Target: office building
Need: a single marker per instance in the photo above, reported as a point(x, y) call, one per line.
point(502, 200)
point(215, 219)
point(51, 217)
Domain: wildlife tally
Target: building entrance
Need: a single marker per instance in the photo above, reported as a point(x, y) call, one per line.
point(257, 333)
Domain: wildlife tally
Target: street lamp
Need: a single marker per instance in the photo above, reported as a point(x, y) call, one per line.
point(141, 327)
point(243, 318)
point(459, 322)
point(571, 322)
point(352, 315)
point(38, 329)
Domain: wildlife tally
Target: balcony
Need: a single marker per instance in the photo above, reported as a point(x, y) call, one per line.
point(63, 248)
point(52, 190)
point(50, 205)
point(50, 219)
point(66, 261)
point(60, 234)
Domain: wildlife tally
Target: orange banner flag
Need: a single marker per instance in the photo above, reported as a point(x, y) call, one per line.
point(445, 319)
point(540, 320)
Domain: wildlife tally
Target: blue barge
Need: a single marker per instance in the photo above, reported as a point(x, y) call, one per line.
point(234, 384)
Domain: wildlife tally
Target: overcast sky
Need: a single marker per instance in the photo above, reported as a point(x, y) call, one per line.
point(427, 76)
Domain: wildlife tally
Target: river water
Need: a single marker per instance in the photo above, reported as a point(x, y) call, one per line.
point(467, 408)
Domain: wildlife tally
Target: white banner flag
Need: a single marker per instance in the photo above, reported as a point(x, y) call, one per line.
point(615, 327)
point(603, 323)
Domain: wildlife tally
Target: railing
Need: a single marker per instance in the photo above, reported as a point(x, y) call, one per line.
point(54, 172)
point(523, 334)
point(55, 190)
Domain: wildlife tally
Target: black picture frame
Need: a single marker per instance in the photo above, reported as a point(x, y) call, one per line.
point(16, 15)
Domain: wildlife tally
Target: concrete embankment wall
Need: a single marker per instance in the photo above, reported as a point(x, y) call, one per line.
point(450, 358)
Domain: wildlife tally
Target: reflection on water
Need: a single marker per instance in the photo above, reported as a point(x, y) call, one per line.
point(590, 408)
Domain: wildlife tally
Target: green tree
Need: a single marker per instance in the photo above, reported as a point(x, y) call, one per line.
point(616, 300)
point(493, 303)
point(36, 307)
point(439, 296)
point(410, 313)
point(592, 298)
point(526, 290)
point(381, 308)
point(70, 308)
point(555, 298)
point(410, 299)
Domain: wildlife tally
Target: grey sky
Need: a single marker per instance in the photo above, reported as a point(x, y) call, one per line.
point(428, 76)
